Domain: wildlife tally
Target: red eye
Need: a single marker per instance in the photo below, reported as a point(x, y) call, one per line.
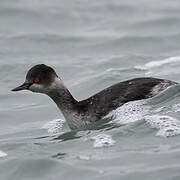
point(36, 80)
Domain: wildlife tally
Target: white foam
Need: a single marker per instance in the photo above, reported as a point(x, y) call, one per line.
point(130, 112)
point(2, 154)
point(54, 126)
point(167, 125)
point(153, 64)
point(138, 110)
point(102, 140)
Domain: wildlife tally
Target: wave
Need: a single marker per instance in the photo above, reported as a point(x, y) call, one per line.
point(154, 111)
point(2, 154)
point(154, 64)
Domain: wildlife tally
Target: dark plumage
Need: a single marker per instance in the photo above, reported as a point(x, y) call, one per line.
point(111, 98)
point(45, 73)
point(43, 79)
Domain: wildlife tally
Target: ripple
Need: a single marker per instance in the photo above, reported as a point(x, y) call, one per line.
point(176, 107)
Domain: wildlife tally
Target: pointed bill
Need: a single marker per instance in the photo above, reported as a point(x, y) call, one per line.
point(24, 86)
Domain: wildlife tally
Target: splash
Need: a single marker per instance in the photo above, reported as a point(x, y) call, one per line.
point(102, 140)
point(130, 112)
point(54, 126)
point(167, 126)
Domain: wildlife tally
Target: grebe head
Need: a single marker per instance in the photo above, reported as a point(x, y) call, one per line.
point(41, 79)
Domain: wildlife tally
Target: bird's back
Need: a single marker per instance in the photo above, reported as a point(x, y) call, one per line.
point(114, 96)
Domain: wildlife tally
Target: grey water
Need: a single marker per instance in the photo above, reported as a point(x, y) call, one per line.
point(91, 45)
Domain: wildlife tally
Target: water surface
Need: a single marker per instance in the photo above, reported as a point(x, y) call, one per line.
point(92, 45)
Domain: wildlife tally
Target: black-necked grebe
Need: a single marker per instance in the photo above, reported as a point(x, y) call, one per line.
point(43, 79)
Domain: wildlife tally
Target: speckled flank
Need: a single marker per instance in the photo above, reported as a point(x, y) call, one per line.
point(160, 87)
